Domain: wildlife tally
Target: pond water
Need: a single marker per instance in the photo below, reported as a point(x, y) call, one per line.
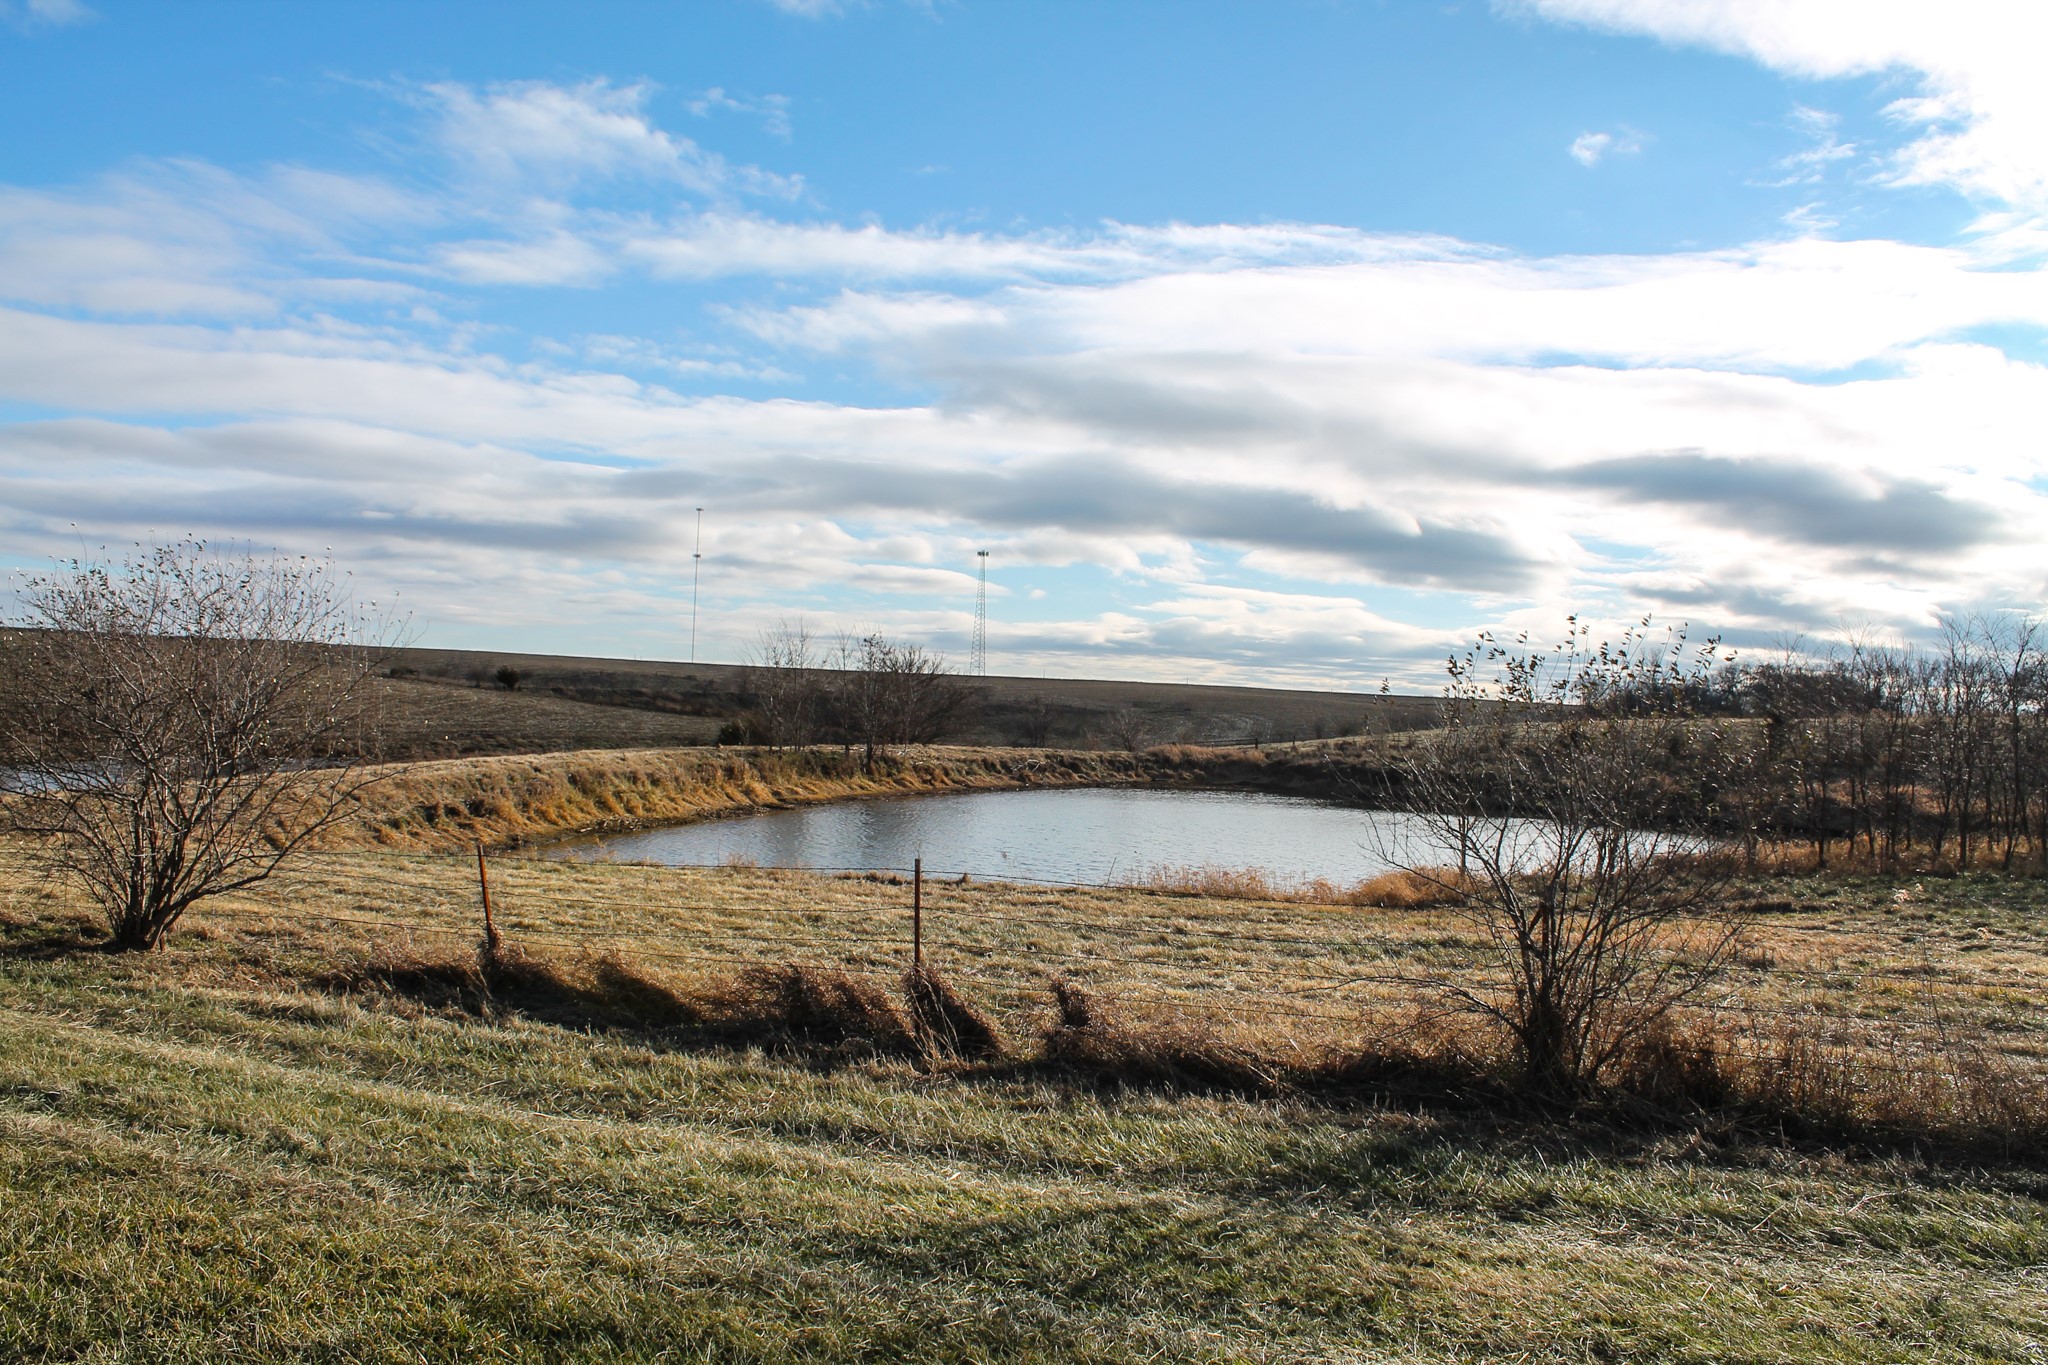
point(1088, 834)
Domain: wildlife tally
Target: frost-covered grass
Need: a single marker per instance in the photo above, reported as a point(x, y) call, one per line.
point(205, 1155)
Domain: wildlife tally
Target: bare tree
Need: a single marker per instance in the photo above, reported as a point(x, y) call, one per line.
point(887, 693)
point(1573, 815)
point(1130, 728)
point(184, 721)
point(1033, 722)
point(788, 692)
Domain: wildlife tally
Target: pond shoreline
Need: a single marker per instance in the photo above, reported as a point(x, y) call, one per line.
point(521, 800)
point(1153, 832)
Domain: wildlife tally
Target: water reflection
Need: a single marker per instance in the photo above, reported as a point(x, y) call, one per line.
point(1076, 835)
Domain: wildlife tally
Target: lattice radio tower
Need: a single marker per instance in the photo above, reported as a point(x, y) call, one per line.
point(981, 618)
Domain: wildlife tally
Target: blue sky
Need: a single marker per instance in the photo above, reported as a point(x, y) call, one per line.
point(1288, 343)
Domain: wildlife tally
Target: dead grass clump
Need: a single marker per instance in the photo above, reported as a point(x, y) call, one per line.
point(1184, 755)
point(1421, 889)
point(817, 1006)
point(1811, 1080)
point(945, 1023)
point(592, 993)
point(1216, 883)
point(1673, 1066)
point(449, 983)
point(1109, 1042)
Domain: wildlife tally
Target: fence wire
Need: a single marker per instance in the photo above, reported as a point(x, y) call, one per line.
point(1317, 965)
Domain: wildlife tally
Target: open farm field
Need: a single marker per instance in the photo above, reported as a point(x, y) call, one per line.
point(1082, 713)
point(311, 1130)
point(418, 719)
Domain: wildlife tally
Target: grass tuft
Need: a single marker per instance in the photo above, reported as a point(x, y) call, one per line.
point(947, 1024)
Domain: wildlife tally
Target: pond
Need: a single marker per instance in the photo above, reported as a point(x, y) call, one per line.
point(1088, 834)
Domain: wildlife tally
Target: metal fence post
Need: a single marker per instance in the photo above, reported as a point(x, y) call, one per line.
point(917, 912)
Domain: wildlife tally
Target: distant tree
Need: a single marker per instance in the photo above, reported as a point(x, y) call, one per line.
point(184, 721)
point(1130, 728)
point(886, 693)
point(507, 677)
point(785, 685)
point(1032, 725)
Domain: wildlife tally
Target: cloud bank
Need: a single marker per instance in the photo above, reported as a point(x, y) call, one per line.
point(1292, 452)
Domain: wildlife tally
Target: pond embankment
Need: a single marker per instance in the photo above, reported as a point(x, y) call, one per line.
point(512, 800)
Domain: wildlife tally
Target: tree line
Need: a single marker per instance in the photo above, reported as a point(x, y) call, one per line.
point(1890, 753)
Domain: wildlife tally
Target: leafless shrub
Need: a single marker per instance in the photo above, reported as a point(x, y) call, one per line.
point(886, 693)
point(1130, 728)
point(785, 687)
point(182, 722)
point(1559, 811)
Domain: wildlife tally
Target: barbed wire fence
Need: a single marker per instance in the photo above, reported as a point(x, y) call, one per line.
point(1298, 973)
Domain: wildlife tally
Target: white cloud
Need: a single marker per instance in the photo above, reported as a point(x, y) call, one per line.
point(1590, 149)
point(1981, 109)
point(1774, 436)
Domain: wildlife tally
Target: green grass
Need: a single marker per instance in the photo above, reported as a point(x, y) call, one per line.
point(205, 1158)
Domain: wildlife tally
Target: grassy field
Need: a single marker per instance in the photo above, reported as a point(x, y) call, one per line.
point(298, 1134)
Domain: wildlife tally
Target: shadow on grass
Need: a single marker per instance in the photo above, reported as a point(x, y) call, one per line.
point(51, 940)
point(825, 1019)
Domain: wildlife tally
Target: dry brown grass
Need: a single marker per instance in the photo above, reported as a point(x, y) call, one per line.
point(945, 1022)
point(1877, 1007)
point(1421, 889)
point(814, 1006)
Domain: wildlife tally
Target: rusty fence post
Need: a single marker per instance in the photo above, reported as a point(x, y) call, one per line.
point(916, 912)
point(483, 886)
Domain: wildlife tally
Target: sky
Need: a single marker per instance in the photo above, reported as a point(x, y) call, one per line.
point(1288, 343)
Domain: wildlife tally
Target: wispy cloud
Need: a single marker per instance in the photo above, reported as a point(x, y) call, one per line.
point(28, 15)
point(533, 135)
point(1591, 148)
point(772, 110)
point(1810, 164)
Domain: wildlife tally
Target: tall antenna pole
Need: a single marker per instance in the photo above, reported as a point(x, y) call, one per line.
point(981, 618)
point(696, 564)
